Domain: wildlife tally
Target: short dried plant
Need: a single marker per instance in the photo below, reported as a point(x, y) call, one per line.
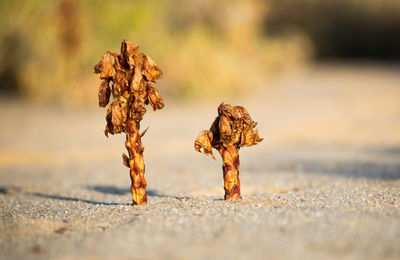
point(232, 129)
point(127, 78)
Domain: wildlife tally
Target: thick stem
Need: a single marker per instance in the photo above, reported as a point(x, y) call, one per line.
point(136, 163)
point(230, 158)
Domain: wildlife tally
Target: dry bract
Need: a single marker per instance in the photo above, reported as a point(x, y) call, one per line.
point(127, 77)
point(233, 128)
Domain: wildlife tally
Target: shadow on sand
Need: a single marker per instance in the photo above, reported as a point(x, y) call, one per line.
point(57, 197)
point(8, 190)
point(106, 189)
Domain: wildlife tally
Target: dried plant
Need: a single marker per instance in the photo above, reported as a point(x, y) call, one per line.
point(127, 77)
point(233, 128)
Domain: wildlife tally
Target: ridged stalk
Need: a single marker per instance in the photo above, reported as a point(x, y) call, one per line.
point(230, 158)
point(136, 163)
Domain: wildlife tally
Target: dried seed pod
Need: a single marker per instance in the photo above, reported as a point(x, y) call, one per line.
point(232, 129)
point(129, 77)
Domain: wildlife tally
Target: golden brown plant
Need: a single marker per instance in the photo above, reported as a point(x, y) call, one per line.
point(128, 77)
point(233, 128)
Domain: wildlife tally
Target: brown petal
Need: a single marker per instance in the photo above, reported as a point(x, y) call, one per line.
point(120, 83)
point(109, 125)
point(251, 137)
point(151, 70)
point(214, 129)
point(104, 93)
point(154, 97)
point(118, 115)
point(125, 160)
point(228, 111)
point(225, 131)
point(202, 143)
point(242, 139)
point(244, 115)
point(256, 137)
point(137, 80)
point(129, 50)
point(137, 109)
point(140, 60)
point(105, 67)
point(235, 137)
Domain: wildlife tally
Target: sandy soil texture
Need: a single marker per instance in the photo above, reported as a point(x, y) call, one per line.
point(324, 183)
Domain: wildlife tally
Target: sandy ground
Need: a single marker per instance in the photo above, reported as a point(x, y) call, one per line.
point(324, 183)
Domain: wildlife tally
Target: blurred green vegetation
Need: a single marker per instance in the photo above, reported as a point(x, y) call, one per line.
point(48, 48)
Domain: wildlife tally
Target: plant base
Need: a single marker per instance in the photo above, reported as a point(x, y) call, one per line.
point(136, 163)
point(230, 158)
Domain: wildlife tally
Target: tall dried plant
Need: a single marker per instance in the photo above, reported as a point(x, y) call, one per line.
point(128, 78)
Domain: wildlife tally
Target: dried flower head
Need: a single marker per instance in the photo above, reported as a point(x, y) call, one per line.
point(233, 128)
point(126, 78)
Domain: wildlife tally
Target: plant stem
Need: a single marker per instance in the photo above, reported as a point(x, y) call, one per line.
point(136, 163)
point(230, 158)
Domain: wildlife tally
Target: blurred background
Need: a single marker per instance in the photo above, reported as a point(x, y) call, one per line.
point(321, 78)
point(48, 48)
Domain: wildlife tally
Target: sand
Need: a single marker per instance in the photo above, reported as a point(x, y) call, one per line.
point(324, 183)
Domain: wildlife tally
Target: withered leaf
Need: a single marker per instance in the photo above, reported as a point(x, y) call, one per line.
point(202, 143)
point(151, 70)
point(137, 80)
point(104, 93)
point(144, 132)
point(120, 83)
point(228, 111)
point(137, 109)
point(118, 115)
point(140, 60)
point(129, 50)
point(214, 129)
point(251, 137)
point(125, 160)
point(154, 97)
point(109, 125)
point(105, 67)
point(225, 131)
point(244, 115)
